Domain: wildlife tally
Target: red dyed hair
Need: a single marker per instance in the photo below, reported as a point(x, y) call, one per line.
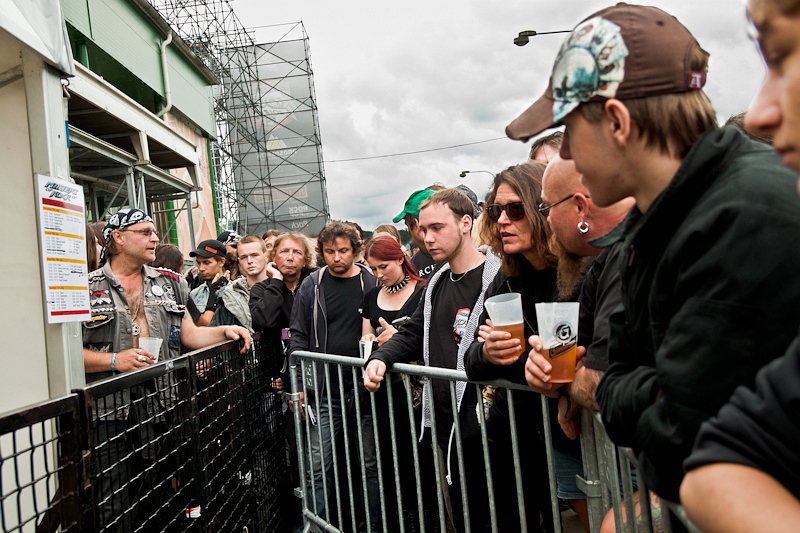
point(386, 248)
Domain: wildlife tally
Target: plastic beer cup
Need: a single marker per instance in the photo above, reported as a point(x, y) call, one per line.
point(505, 310)
point(558, 329)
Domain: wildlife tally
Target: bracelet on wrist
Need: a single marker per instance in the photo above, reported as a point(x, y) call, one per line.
point(225, 332)
point(114, 362)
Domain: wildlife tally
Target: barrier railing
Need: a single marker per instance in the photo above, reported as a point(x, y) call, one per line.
point(40, 467)
point(194, 443)
point(365, 468)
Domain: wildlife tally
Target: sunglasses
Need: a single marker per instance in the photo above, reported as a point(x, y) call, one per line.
point(514, 211)
point(143, 232)
point(544, 208)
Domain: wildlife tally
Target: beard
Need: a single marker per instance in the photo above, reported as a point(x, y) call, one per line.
point(570, 270)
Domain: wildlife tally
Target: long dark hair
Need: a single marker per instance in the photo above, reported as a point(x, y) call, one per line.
point(385, 248)
point(526, 181)
point(168, 256)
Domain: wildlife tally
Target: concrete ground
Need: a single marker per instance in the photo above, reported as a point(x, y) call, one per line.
point(570, 523)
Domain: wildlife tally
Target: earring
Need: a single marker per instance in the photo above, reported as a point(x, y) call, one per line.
point(583, 226)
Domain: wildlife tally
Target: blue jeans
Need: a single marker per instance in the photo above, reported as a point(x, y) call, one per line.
point(322, 448)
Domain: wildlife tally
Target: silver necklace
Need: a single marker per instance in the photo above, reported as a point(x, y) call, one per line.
point(397, 287)
point(135, 329)
point(460, 276)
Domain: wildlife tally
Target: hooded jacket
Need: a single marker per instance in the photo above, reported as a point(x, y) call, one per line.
point(308, 325)
point(413, 338)
point(235, 309)
point(710, 291)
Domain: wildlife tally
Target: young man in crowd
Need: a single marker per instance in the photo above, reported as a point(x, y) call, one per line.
point(546, 147)
point(713, 208)
point(326, 318)
point(410, 216)
point(448, 318)
point(210, 257)
point(743, 475)
point(233, 305)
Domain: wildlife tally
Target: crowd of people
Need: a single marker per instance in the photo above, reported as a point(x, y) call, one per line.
point(672, 233)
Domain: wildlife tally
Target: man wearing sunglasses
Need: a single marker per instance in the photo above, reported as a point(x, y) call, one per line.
point(130, 300)
point(704, 254)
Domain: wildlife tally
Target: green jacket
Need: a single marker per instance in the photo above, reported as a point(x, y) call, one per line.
point(710, 294)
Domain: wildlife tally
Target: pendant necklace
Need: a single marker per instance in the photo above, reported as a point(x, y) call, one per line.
point(397, 287)
point(135, 329)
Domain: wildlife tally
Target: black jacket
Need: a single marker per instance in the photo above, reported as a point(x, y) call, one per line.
point(710, 294)
point(308, 323)
point(760, 428)
point(535, 286)
point(271, 304)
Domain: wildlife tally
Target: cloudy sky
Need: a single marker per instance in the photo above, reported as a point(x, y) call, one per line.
point(417, 75)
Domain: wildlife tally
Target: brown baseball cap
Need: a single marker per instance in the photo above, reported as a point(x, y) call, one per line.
point(624, 52)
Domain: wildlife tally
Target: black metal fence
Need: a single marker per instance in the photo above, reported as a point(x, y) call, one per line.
point(194, 443)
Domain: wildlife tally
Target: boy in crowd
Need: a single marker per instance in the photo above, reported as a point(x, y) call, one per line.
point(704, 250)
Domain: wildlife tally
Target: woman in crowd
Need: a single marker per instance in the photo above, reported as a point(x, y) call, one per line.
point(94, 244)
point(385, 308)
point(517, 232)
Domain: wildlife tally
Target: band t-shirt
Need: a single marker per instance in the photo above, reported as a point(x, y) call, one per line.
point(343, 313)
point(424, 264)
point(454, 298)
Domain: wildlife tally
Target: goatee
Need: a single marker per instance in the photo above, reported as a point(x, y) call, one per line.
point(570, 271)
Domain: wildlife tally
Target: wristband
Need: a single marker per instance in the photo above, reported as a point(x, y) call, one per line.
point(114, 362)
point(225, 332)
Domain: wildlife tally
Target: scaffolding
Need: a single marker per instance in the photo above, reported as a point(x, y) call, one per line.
point(267, 157)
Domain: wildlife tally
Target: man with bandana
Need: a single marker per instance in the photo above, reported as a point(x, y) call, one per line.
point(130, 300)
point(708, 275)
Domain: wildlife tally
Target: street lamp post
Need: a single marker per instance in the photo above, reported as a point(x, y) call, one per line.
point(465, 172)
point(524, 36)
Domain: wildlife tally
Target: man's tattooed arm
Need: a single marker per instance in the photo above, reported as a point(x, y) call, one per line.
point(583, 387)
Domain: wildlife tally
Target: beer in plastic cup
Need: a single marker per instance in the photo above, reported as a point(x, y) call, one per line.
point(505, 310)
point(558, 329)
point(152, 345)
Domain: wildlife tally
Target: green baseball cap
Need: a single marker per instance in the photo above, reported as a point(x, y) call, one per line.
point(413, 203)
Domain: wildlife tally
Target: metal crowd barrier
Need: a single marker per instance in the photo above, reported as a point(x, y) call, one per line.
point(366, 451)
point(40, 467)
point(194, 443)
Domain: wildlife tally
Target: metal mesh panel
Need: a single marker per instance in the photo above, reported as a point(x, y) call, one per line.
point(39, 458)
point(195, 443)
point(222, 441)
point(267, 449)
point(141, 473)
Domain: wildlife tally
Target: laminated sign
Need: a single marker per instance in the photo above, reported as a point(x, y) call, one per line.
point(62, 234)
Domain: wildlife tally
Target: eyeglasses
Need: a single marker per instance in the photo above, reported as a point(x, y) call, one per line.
point(514, 211)
point(545, 208)
point(143, 232)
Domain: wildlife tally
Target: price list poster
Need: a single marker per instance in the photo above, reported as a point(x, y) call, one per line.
point(63, 236)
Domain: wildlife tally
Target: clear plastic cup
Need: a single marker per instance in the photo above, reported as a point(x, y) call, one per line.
point(558, 329)
point(505, 310)
point(152, 345)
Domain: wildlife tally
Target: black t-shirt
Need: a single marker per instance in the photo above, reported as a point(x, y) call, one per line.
point(343, 313)
point(372, 312)
point(424, 264)
point(452, 304)
point(343, 309)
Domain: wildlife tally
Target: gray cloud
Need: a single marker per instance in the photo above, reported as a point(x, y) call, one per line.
point(398, 77)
